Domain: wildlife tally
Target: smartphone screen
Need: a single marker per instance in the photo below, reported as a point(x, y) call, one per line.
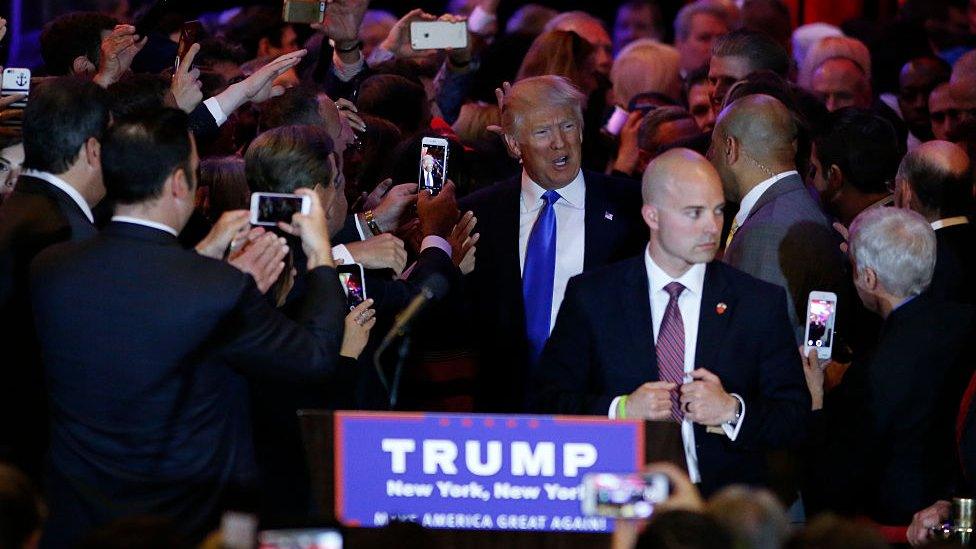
point(433, 162)
point(308, 538)
point(623, 495)
point(270, 209)
point(820, 323)
point(191, 33)
point(351, 278)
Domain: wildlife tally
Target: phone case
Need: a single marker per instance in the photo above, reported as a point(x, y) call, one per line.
point(303, 11)
point(16, 81)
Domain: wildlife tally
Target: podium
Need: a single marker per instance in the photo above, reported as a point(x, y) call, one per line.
point(488, 462)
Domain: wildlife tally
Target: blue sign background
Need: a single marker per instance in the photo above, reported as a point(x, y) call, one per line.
point(371, 489)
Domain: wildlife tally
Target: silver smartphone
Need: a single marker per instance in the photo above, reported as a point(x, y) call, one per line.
point(438, 35)
point(821, 312)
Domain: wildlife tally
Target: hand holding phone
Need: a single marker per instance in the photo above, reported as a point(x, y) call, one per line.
point(438, 35)
point(353, 280)
point(16, 82)
point(629, 495)
point(303, 11)
point(191, 33)
point(819, 334)
point(433, 164)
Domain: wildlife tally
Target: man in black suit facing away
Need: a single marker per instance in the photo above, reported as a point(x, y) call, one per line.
point(935, 180)
point(52, 202)
point(145, 344)
point(538, 230)
point(674, 335)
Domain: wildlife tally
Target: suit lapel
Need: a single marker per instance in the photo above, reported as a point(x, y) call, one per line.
point(713, 318)
point(509, 273)
point(599, 224)
point(786, 185)
point(635, 303)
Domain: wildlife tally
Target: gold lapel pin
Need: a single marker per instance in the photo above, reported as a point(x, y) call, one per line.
point(720, 308)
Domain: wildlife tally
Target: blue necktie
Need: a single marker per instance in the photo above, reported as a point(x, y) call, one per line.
point(537, 275)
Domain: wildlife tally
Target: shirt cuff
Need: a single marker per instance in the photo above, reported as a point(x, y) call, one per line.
point(480, 20)
point(340, 252)
point(732, 429)
point(347, 72)
point(359, 228)
point(214, 107)
point(612, 414)
point(434, 241)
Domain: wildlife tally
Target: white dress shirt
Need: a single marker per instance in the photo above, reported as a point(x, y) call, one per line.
point(145, 223)
point(689, 304)
point(570, 231)
point(751, 197)
point(64, 186)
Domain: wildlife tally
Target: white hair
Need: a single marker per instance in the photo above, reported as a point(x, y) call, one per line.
point(646, 65)
point(805, 36)
point(898, 245)
point(833, 47)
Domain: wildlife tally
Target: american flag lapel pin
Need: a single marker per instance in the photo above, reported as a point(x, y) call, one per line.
point(721, 308)
point(608, 216)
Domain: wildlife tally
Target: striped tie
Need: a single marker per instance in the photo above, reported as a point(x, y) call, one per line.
point(671, 347)
point(728, 239)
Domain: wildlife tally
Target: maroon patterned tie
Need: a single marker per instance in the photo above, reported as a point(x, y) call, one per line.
point(671, 347)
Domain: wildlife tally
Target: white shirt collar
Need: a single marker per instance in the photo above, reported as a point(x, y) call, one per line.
point(573, 195)
point(145, 223)
point(751, 197)
point(693, 280)
point(64, 186)
point(949, 222)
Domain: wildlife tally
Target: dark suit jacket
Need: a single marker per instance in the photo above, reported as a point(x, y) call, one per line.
point(788, 241)
point(887, 447)
point(955, 264)
point(603, 347)
point(144, 346)
point(35, 216)
point(494, 289)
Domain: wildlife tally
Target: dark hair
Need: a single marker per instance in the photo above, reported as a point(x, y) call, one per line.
point(694, 78)
point(287, 158)
point(248, 27)
point(684, 530)
point(138, 154)
point(226, 185)
point(21, 508)
point(72, 35)
point(655, 10)
point(863, 145)
point(761, 51)
point(656, 118)
point(215, 50)
point(365, 166)
point(396, 99)
point(62, 114)
point(936, 188)
point(137, 93)
point(298, 106)
point(771, 17)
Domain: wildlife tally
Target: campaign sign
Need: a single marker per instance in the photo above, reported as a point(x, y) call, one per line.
point(477, 471)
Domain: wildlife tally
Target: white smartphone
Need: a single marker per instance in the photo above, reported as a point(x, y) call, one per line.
point(629, 495)
point(270, 208)
point(438, 35)
point(16, 81)
point(617, 120)
point(353, 282)
point(821, 311)
point(433, 164)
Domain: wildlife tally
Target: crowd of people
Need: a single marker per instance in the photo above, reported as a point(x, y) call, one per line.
point(633, 216)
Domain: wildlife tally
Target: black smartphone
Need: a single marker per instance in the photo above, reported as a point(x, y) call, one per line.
point(191, 33)
point(353, 282)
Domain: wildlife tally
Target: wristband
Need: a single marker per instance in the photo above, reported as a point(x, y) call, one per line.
point(622, 407)
point(374, 227)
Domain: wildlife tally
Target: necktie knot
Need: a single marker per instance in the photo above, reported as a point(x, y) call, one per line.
point(551, 197)
point(674, 289)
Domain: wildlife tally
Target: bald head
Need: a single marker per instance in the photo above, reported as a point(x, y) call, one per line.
point(935, 180)
point(763, 127)
point(674, 171)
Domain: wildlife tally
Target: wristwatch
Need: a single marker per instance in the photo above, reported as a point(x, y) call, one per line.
point(357, 45)
point(374, 227)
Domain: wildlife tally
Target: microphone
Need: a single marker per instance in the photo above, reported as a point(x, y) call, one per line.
point(432, 289)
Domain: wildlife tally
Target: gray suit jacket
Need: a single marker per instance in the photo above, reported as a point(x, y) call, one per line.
point(788, 241)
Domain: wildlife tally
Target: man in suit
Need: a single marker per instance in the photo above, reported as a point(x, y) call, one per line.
point(674, 335)
point(935, 181)
point(52, 202)
point(779, 226)
point(144, 359)
point(887, 447)
point(538, 230)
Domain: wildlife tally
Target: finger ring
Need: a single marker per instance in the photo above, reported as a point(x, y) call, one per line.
point(687, 407)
